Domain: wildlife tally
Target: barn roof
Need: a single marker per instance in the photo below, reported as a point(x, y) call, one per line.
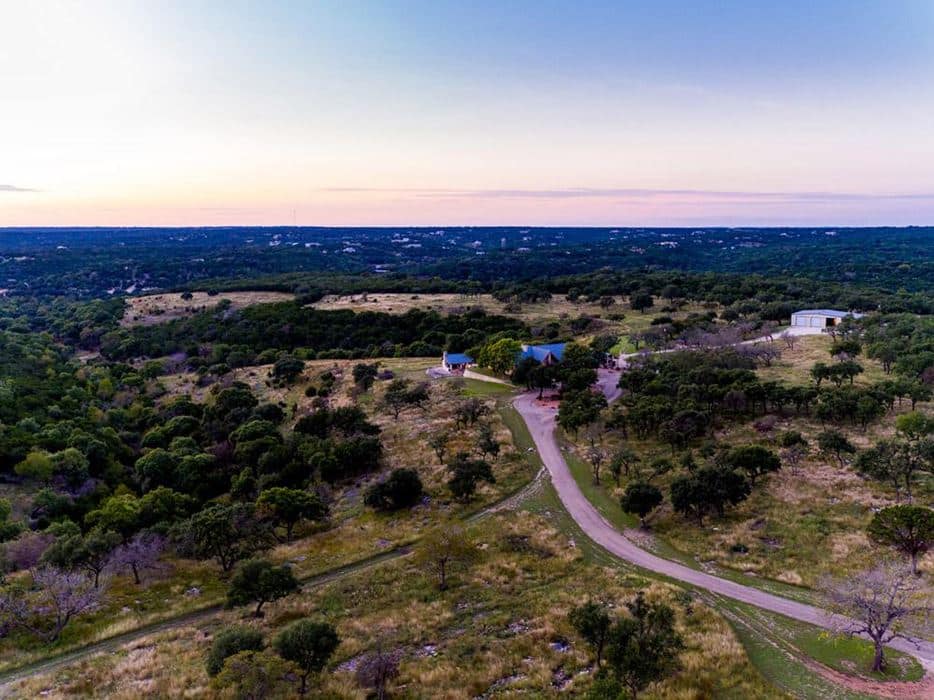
point(832, 313)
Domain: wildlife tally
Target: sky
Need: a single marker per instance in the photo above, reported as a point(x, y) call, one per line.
point(655, 113)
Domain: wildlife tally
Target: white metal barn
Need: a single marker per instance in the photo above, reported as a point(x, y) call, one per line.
point(820, 318)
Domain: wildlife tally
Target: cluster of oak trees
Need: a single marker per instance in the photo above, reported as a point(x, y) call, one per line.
point(243, 337)
point(680, 397)
point(220, 480)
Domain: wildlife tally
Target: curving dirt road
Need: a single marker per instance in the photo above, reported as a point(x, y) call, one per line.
point(541, 422)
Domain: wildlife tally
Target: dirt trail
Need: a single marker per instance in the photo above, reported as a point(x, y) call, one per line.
point(541, 422)
point(110, 644)
point(7, 678)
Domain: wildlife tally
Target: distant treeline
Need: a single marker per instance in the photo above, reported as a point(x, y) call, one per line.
point(95, 263)
point(778, 295)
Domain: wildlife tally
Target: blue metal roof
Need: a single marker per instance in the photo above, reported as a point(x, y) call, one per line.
point(540, 352)
point(458, 358)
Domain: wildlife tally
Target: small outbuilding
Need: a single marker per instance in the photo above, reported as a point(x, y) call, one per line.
point(820, 318)
point(456, 361)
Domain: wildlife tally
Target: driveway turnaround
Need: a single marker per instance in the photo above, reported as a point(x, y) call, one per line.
point(540, 419)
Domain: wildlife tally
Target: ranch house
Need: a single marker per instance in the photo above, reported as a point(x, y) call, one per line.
point(546, 355)
point(456, 361)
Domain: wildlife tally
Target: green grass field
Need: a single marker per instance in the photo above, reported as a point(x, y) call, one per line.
point(476, 387)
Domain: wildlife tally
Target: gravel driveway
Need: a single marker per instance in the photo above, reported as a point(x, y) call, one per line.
point(541, 422)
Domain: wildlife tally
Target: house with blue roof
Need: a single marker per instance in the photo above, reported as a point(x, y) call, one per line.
point(547, 355)
point(456, 361)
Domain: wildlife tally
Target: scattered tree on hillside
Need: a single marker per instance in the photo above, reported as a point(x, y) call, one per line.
point(909, 529)
point(898, 461)
point(443, 549)
point(72, 550)
point(8, 528)
point(56, 598)
point(287, 507)
point(162, 507)
point(640, 301)
point(595, 451)
point(470, 411)
point(882, 603)
point(377, 670)
point(845, 349)
point(596, 455)
point(644, 646)
point(307, 644)
point(709, 488)
point(755, 460)
point(885, 461)
point(401, 394)
point(466, 475)
point(286, 370)
point(592, 622)
point(658, 467)
point(487, 444)
point(365, 374)
point(683, 428)
point(402, 489)
point(794, 456)
point(25, 552)
point(259, 581)
point(226, 533)
point(36, 465)
point(141, 553)
point(624, 461)
point(833, 442)
point(580, 408)
point(641, 499)
point(438, 442)
point(156, 468)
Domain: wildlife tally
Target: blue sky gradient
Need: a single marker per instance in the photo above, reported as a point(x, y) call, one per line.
point(603, 113)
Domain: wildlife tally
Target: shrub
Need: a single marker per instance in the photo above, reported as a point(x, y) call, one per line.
point(403, 489)
point(230, 641)
point(308, 645)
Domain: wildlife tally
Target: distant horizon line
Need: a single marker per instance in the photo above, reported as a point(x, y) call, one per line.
point(766, 227)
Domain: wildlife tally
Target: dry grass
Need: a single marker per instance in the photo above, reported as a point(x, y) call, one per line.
point(128, 607)
point(355, 532)
point(795, 365)
point(404, 438)
point(558, 308)
point(501, 628)
point(160, 308)
point(796, 526)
